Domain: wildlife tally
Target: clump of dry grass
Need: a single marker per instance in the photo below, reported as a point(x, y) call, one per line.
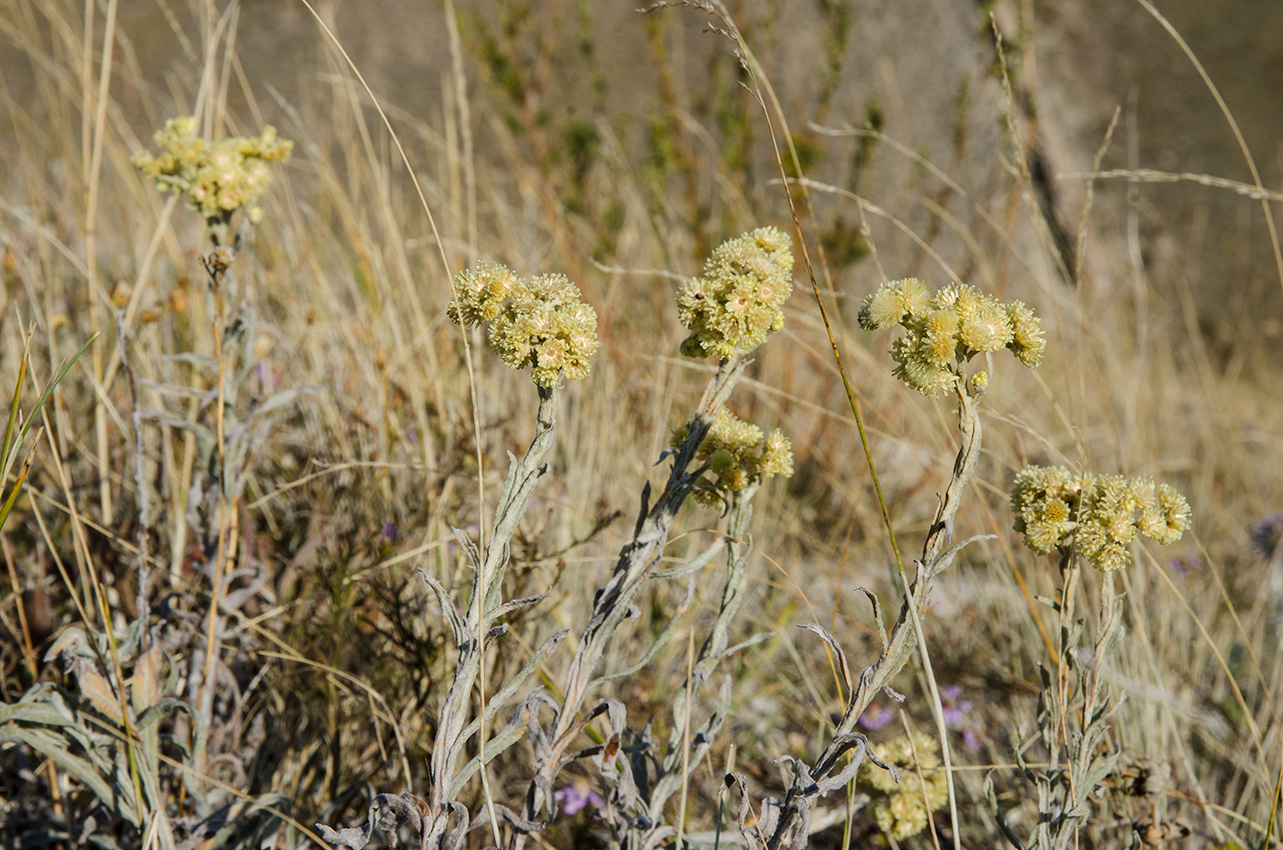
point(333, 664)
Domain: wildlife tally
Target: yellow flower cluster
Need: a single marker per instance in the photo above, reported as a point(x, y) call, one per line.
point(954, 325)
point(903, 809)
point(738, 454)
point(214, 178)
point(1096, 515)
point(736, 304)
point(538, 322)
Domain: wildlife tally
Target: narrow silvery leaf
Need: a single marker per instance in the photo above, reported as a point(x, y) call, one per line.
point(837, 650)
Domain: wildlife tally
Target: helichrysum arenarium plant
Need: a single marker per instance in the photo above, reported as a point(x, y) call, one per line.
point(140, 718)
point(1092, 519)
point(943, 334)
point(219, 179)
point(541, 323)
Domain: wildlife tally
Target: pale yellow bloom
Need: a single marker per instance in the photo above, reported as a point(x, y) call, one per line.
point(537, 322)
point(213, 178)
point(1096, 517)
point(737, 303)
point(944, 331)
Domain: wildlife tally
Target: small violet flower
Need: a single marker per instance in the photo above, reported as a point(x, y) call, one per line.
point(573, 798)
point(956, 713)
point(875, 717)
point(390, 533)
point(268, 376)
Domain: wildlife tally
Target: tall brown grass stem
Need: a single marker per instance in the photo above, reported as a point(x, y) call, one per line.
point(92, 177)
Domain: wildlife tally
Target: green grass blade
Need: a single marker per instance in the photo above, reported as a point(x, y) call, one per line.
point(17, 488)
point(44, 396)
point(13, 415)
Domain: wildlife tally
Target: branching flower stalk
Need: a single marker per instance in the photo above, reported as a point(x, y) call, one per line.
point(538, 322)
point(687, 745)
point(1092, 519)
point(484, 611)
point(638, 562)
point(944, 333)
point(541, 323)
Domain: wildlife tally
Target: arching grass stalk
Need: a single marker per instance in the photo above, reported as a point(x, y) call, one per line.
point(759, 89)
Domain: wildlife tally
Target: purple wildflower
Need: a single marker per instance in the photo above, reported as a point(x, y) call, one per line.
point(955, 710)
point(268, 376)
point(875, 717)
point(1266, 535)
point(956, 716)
point(390, 533)
point(573, 798)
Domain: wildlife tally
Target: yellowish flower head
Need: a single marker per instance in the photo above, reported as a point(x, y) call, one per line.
point(738, 301)
point(902, 810)
point(537, 322)
point(985, 327)
point(944, 331)
point(940, 337)
point(738, 454)
point(893, 302)
point(1167, 517)
point(213, 178)
point(1027, 342)
point(1096, 516)
point(916, 367)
